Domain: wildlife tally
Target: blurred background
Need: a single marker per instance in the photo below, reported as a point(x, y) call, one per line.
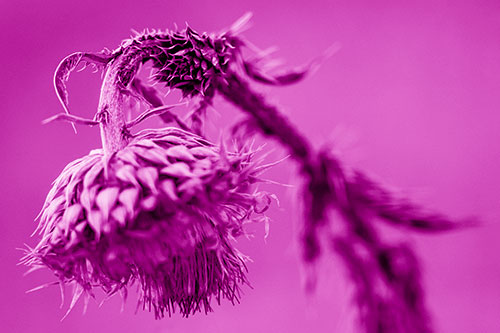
point(411, 97)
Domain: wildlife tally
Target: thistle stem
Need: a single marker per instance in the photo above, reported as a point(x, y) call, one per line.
point(269, 119)
point(111, 117)
point(272, 123)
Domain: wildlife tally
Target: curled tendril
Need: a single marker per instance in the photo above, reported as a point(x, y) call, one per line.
point(68, 65)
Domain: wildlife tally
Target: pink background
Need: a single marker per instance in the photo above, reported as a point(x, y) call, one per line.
point(413, 95)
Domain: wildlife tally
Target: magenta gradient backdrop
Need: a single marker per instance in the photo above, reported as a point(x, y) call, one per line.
point(416, 84)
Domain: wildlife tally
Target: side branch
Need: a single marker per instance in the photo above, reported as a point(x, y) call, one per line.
point(71, 119)
point(268, 118)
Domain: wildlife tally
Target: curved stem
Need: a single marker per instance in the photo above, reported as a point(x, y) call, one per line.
point(114, 133)
point(269, 119)
point(315, 169)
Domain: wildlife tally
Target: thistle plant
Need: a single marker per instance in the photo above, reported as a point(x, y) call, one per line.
point(160, 207)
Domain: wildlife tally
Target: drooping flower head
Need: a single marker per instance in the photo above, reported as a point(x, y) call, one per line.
point(162, 212)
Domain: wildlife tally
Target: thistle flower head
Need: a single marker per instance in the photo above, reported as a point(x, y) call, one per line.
point(160, 212)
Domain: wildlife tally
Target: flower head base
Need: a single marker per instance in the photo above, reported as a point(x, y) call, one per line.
point(161, 212)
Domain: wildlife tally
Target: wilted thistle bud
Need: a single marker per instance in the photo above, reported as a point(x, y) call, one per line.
point(161, 211)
